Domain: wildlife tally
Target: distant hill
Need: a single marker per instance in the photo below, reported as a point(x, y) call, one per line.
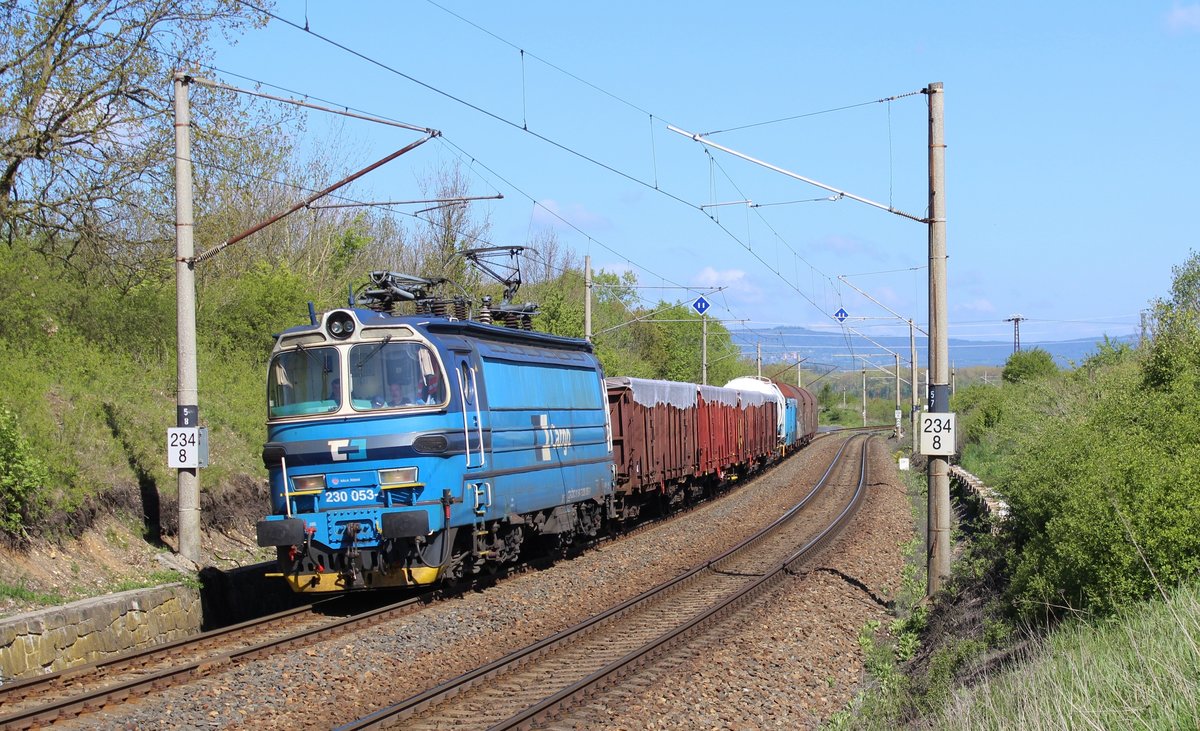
point(788, 343)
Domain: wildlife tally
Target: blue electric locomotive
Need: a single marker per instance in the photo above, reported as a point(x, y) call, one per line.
point(407, 449)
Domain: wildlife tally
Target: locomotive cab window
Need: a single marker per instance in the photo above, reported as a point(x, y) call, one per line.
point(304, 381)
point(465, 382)
point(394, 375)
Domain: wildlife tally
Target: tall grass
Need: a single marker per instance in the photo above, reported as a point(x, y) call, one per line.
point(1139, 669)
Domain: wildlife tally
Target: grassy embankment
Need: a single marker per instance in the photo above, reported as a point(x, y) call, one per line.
point(1082, 610)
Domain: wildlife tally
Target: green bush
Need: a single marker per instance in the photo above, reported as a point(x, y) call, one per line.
point(1099, 467)
point(244, 314)
point(1028, 364)
point(22, 476)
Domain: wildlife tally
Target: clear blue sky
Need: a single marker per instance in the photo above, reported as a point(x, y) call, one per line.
point(1072, 133)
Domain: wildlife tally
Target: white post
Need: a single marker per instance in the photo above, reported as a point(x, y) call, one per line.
point(187, 408)
point(939, 347)
point(587, 298)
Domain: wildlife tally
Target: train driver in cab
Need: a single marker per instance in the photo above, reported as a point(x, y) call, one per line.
point(399, 395)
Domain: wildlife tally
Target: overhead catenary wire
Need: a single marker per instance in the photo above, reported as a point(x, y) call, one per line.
point(362, 115)
point(307, 29)
point(502, 119)
point(384, 204)
point(810, 114)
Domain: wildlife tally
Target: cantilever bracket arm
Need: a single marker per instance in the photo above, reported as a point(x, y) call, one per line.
point(315, 196)
point(705, 141)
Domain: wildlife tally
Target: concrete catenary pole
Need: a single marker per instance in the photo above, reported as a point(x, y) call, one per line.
point(899, 419)
point(187, 408)
point(704, 350)
point(587, 298)
point(864, 391)
point(939, 390)
point(912, 387)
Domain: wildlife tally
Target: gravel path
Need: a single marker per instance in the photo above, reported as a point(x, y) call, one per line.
point(806, 665)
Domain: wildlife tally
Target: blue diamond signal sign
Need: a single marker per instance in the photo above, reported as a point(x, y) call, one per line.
point(841, 314)
point(701, 305)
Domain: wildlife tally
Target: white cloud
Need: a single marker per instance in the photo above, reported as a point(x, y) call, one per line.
point(710, 277)
point(886, 295)
point(550, 212)
point(738, 288)
point(979, 304)
point(843, 244)
point(1184, 18)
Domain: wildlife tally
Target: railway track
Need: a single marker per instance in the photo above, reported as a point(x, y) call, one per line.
point(85, 689)
point(69, 693)
point(543, 679)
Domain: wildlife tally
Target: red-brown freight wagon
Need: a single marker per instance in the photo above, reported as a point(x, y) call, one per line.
point(670, 438)
point(654, 430)
point(806, 411)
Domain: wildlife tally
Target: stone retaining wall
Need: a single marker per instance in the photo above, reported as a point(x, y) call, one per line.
point(94, 629)
point(993, 503)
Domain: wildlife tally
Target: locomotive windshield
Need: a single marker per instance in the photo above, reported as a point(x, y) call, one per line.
point(304, 381)
point(388, 375)
point(382, 375)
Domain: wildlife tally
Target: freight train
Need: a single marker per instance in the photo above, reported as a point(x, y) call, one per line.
point(408, 449)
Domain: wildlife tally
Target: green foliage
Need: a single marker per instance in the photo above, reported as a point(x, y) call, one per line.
point(1098, 467)
point(22, 476)
point(1109, 353)
point(826, 397)
point(560, 305)
point(980, 408)
point(1027, 365)
point(1174, 356)
point(349, 245)
point(28, 298)
point(944, 666)
point(243, 315)
point(21, 592)
point(73, 74)
point(158, 578)
point(1103, 510)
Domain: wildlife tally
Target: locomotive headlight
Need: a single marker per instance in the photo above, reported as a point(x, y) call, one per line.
point(308, 482)
point(340, 324)
point(398, 476)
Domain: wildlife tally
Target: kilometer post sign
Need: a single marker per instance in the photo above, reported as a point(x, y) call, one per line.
point(937, 434)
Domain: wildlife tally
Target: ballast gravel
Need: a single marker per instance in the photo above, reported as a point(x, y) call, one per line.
point(789, 662)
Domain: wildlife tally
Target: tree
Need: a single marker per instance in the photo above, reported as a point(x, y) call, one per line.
point(449, 230)
point(85, 121)
point(1174, 352)
point(545, 258)
point(1028, 364)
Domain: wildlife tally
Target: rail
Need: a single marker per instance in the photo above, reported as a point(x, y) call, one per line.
point(717, 587)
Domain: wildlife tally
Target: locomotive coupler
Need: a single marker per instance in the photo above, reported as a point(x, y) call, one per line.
point(349, 572)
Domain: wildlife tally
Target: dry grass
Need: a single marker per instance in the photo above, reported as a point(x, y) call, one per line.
point(1139, 670)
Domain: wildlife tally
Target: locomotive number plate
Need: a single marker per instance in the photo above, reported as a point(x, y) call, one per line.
point(354, 496)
